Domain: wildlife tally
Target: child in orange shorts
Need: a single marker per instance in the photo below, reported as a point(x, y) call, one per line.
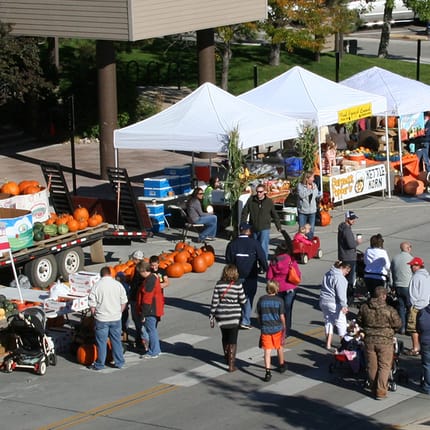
point(271, 314)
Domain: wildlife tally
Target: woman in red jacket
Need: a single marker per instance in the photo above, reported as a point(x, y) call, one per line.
point(278, 271)
point(150, 305)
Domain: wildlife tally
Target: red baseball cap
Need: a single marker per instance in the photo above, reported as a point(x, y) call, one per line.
point(416, 261)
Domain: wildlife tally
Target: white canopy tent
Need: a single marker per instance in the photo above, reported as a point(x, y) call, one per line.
point(404, 96)
point(304, 95)
point(202, 122)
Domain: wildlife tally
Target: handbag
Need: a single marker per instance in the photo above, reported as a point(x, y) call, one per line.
point(293, 277)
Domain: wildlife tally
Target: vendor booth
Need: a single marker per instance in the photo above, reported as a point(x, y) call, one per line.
point(405, 97)
point(301, 94)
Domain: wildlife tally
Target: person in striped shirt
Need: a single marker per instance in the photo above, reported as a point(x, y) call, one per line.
point(227, 298)
point(271, 315)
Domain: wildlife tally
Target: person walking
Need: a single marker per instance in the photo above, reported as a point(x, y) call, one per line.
point(347, 249)
point(247, 255)
point(307, 194)
point(227, 298)
point(401, 276)
point(197, 216)
point(150, 306)
point(271, 316)
point(261, 211)
point(107, 301)
point(379, 323)
point(279, 268)
point(333, 301)
point(376, 264)
point(423, 328)
point(419, 297)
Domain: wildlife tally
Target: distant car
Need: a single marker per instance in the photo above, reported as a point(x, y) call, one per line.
point(372, 11)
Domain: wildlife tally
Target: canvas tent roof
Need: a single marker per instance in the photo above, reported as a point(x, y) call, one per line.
point(302, 94)
point(404, 96)
point(202, 121)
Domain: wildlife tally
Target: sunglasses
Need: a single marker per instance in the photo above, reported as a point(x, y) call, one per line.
point(260, 191)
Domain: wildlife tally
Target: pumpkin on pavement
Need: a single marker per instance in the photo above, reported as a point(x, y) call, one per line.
point(199, 264)
point(175, 270)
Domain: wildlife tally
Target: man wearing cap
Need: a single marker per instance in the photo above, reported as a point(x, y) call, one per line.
point(419, 295)
point(347, 248)
point(261, 211)
point(246, 253)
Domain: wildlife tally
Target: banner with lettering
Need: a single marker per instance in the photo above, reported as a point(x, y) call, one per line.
point(358, 183)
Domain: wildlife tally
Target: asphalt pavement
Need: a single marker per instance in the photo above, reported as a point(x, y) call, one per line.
point(188, 386)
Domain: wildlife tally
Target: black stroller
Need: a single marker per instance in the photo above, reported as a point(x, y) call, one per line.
point(34, 350)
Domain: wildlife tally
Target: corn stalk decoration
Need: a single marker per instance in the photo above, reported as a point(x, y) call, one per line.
point(237, 176)
point(307, 146)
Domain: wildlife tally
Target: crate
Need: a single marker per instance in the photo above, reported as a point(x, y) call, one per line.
point(185, 179)
point(161, 181)
point(157, 219)
point(185, 189)
point(178, 170)
point(155, 210)
point(158, 192)
point(158, 226)
point(293, 166)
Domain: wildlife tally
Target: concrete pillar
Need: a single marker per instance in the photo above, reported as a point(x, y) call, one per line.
point(206, 55)
point(108, 106)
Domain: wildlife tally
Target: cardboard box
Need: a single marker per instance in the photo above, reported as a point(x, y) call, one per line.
point(83, 282)
point(17, 225)
point(37, 203)
point(66, 304)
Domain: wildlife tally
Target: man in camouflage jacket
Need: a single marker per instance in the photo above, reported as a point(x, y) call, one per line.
point(379, 323)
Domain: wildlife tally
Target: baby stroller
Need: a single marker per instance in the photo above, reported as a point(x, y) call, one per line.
point(34, 350)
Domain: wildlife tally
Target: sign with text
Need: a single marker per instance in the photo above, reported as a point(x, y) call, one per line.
point(354, 113)
point(358, 183)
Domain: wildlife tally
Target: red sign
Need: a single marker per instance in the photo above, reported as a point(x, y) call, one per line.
point(4, 244)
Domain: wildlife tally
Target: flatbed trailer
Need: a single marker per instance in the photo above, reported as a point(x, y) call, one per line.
point(57, 256)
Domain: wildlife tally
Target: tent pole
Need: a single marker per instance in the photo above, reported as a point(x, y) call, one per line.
point(399, 139)
point(388, 156)
point(116, 158)
point(320, 159)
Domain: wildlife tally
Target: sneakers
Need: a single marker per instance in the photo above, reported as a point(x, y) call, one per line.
point(245, 327)
point(150, 357)
point(267, 376)
point(283, 367)
point(210, 239)
point(93, 367)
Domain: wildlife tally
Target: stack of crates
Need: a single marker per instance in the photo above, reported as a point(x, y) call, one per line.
point(160, 186)
point(184, 174)
point(156, 213)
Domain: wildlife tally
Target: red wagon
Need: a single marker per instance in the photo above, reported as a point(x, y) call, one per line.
point(303, 251)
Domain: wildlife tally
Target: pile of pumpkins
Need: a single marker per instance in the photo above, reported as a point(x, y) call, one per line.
point(24, 187)
point(184, 259)
point(65, 223)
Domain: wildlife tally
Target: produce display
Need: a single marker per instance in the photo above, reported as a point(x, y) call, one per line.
point(65, 223)
point(24, 187)
point(377, 156)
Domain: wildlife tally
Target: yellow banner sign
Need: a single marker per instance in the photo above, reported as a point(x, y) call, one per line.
point(354, 113)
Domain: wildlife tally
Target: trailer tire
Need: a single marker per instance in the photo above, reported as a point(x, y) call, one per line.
point(70, 261)
point(42, 271)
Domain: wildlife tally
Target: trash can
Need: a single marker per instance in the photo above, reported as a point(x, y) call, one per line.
point(289, 216)
point(353, 46)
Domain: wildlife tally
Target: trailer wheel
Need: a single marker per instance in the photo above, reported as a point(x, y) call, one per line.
point(70, 261)
point(42, 271)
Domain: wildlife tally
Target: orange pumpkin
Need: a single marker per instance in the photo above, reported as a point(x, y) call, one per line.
point(95, 220)
point(31, 189)
point(187, 267)
point(24, 184)
point(175, 270)
point(199, 264)
point(325, 218)
point(52, 218)
point(73, 225)
point(10, 188)
point(86, 354)
point(63, 219)
point(180, 246)
point(209, 257)
point(182, 257)
point(164, 264)
point(81, 213)
point(82, 223)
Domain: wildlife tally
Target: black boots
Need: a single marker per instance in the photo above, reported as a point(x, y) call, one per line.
point(231, 356)
point(268, 376)
point(225, 348)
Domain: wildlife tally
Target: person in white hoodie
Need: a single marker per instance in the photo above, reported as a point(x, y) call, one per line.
point(333, 300)
point(377, 264)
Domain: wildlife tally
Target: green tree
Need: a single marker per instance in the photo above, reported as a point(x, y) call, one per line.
point(21, 75)
point(420, 7)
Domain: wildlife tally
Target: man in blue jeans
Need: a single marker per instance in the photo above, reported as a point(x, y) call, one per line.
point(423, 328)
point(246, 254)
point(107, 301)
point(261, 211)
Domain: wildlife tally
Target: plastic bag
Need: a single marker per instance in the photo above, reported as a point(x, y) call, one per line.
point(58, 290)
point(24, 282)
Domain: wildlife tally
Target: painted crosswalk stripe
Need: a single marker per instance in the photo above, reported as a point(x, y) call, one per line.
point(189, 339)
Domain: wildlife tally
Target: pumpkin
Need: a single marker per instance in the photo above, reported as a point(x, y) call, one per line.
point(82, 223)
point(95, 220)
point(31, 189)
point(10, 188)
point(199, 264)
point(187, 267)
point(63, 219)
point(81, 213)
point(190, 249)
point(180, 246)
point(164, 264)
point(73, 225)
point(325, 218)
point(182, 257)
point(86, 354)
point(175, 270)
point(208, 248)
point(24, 184)
point(411, 185)
point(209, 257)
